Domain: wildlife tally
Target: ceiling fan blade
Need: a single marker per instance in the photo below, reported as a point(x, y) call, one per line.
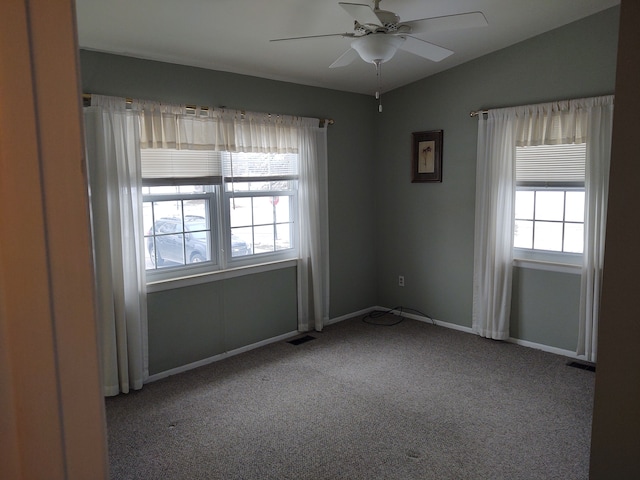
point(345, 59)
point(424, 49)
point(361, 13)
point(448, 22)
point(347, 35)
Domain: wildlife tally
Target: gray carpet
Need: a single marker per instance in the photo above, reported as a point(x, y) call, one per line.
point(410, 401)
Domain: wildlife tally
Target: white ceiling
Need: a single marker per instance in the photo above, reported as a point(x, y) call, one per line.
point(233, 35)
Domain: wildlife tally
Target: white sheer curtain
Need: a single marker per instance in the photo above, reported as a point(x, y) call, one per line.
point(178, 127)
point(313, 263)
point(587, 120)
point(113, 159)
point(599, 128)
point(493, 242)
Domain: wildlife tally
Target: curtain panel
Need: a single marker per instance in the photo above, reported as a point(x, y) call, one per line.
point(493, 242)
point(586, 120)
point(313, 262)
point(598, 161)
point(113, 164)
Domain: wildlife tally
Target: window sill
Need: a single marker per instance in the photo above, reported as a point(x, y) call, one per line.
point(548, 266)
point(190, 280)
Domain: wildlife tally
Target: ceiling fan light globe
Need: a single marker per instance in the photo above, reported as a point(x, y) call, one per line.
point(377, 48)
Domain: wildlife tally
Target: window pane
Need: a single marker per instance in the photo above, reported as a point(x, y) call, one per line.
point(161, 190)
point(258, 186)
point(247, 186)
point(176, 189)
point(147, 218)
point(195, 189)
point(573, 237)
point(237, 187)
point(574, 209)
point(263, 210)
point(239, 246)
point(283, 236)
point(241, 241)
point(169, 250)
point(150, 253)
point(283, 185)
point(195, 211)
point(549, 205)
point(264, 186)
point(259, 164)
point(523, 237)
point(197, 246)
point(263, 239)
point(240, 212)
point(283, 211)
point(167, 209)
point(548, 236)
point(524, 204)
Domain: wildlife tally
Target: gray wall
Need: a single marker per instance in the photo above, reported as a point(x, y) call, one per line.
point(192, 323)
point(381, 225)
point(545, 307)
point(426, 230)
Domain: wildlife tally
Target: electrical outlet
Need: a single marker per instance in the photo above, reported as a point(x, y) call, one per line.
point(401, 280)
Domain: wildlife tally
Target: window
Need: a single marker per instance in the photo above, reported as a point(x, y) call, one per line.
point(582, 126)
point(206, 210)
point(550, 199)
point(261, 219)
point(177, 223)
point(260, 198)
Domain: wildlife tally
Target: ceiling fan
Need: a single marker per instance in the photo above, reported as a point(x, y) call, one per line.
point(378, 34)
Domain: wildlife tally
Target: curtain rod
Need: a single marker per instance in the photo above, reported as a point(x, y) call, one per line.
point(475, 113)
point(86, 100)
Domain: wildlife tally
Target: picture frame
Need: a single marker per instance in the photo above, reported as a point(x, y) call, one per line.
point(426, 153)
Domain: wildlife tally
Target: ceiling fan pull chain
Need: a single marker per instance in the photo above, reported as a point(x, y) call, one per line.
point(378, 64)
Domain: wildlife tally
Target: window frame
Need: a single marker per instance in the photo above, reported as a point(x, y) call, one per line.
point(569, 178)
point(265, 257)
point(187, 269)
point(218, 199)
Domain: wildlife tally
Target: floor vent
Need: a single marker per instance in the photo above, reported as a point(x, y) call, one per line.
point(300, 340)
point(583, 366)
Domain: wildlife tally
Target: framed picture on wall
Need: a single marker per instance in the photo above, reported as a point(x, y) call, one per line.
point(426, 161)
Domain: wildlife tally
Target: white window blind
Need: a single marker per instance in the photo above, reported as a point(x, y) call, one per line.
point(563, 163)
point(180, 167)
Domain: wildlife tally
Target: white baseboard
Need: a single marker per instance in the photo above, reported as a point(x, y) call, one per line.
point(420, 318)
point(461, 328)
point(221, 356)
point(547, 348)
point(331, 321)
